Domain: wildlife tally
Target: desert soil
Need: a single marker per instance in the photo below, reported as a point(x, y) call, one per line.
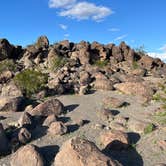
point(145, 151)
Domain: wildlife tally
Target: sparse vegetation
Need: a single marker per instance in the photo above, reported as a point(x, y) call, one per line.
point(141, 50)
point(7, 65)
point(133, 145)
point(30, 81)
point(100, 63)
point(58, 62)
point(161, 114)
point(160, 117)
point(149, 128)
point(135, 65)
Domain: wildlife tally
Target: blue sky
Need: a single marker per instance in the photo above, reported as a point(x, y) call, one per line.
point(138, 22)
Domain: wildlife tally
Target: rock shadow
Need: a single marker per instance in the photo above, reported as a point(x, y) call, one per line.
point(64, 119)
point(114, 112)
point(39, 132)
point(133, 137)
point(72, 128)
point(49, 153)
point(70, 108)
point(90, 92)
point(129, 156)
point(3, 118)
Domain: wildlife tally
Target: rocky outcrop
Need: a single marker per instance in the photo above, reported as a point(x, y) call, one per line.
point(136, 88)
point(77, 67)
point(6, 49)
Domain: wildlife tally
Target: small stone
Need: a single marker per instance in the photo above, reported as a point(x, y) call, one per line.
point(25, 120)
point(49, 120)
point(24, 136)
point(57, 128)
point(162, 144)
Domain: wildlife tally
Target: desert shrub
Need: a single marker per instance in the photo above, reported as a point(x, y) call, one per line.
point(135, 65)
point(149, 128)
point(140, 50)
point(58, 62)
point(30, 81)
point(100, 63)
point(7, 65)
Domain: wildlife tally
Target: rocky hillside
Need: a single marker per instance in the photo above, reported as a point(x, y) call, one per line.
point(66, 67)
point(32, 78)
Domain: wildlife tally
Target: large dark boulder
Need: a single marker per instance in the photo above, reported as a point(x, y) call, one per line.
point(6, 49)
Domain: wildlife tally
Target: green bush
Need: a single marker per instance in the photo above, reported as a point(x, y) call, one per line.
point(135, 65)
point(7, 65)
point(100, 63)
point(30, 81)
point(58, 62)
point(149, 128)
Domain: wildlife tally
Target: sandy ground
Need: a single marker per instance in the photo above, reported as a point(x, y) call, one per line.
point(146, 152)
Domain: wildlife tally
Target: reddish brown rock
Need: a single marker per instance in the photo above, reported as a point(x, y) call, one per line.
point(80, 152)
point(49, 107)
point(6, 49)
point(57, 128)
point(42, 42)
point(28, 156)
point(49, 120)
point(136, 88)
point(25, 120)
point(14, 104)
point(24, 136)
point(112, 102)
point(114, 139)
point(103, 84)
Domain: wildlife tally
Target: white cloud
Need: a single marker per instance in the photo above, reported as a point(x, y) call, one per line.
point(120, 37)
point(114, 29)
point(62, 26)
point(66, 35)
point(86, 10)
point(162, 56)
point(163, 48)
point(61, 3)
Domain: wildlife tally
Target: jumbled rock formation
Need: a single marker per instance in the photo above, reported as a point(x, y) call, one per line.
point(68, 67)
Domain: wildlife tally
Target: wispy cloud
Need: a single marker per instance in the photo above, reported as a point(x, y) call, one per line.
point(80, 10)
point(66, 35)
point(161, 55)
point(61, 3)
point(163, 48)
point(120, 37)
point(114, 29)
point(62, 26)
